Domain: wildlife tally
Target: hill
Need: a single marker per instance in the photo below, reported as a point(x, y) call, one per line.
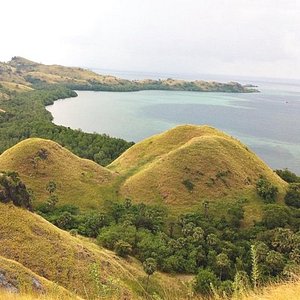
point(23, 72)
point(188, 164)
point(79, 181)
point(179, 168)
point(30, 244)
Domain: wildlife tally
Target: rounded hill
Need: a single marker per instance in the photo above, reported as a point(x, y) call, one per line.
point(188, 164)
point(79, 181)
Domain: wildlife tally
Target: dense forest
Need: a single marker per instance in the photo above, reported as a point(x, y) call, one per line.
point(25, 116)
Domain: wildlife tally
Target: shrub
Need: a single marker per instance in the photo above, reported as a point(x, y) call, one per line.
point(288, 176)
point(204, 279)
point(276, 216)
point(13, 189)
point(266, 190)
point(188, 184)
point(292, 197)
point(122, 248)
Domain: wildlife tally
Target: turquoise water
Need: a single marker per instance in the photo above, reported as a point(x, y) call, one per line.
point(268, 122)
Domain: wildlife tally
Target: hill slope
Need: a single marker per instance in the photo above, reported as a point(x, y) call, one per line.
point(76, 264)
point(79, 181)
point(188, 164)
point(16, 278)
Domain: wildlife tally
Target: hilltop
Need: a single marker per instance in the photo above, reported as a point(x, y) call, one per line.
point(189, 164)
point(79, 181)
point(23, 74)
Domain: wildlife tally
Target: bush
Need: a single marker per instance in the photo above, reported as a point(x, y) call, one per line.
point(122, 248)
point(292, 197)
point(276, 216)
point(188, 184)
point(266, 190)
point(109, 236)
point(204, 279)
point(13, 189)
point(288, 176)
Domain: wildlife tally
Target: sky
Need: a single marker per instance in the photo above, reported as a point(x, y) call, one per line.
point(257, 38)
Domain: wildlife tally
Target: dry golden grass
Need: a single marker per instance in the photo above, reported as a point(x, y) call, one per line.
point(22, 278)
point(18, 87)
point(19, 68)
point(218, 166)
point(283, 291)
point(79, 181)
point(10, 296)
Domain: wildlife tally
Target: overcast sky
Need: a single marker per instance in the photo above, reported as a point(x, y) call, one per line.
point(233, 37)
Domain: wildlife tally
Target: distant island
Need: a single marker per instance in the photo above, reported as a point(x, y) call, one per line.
point(20, 73)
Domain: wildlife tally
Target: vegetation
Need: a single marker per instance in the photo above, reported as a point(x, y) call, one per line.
point(288, 176)
point(74, 263)
point(182, 167)
point(266, 190)
point(13, 189)
point(292, 197)
point(214, 248)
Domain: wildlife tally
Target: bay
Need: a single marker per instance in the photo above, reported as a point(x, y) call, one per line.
point(268, 122)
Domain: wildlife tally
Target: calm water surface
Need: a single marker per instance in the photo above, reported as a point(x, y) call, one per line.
point(268, 122)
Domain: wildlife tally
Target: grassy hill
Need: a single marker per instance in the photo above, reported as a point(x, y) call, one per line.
point(28, 242)
point(79, 181)
point(188, 164)
point(179, 168)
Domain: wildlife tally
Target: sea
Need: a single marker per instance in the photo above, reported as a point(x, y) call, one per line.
point(268, 122)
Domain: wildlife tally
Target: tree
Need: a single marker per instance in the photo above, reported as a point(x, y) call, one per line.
point(288, 176)
point(53, 198)
point(51, 187)
point(52, 201)
point(150, 266)
point(222, 263)
point(122, 248)
point(275, 261)
point(13, 189)
point(204, 280)
point(275, 216)
point(292, 197)
point(65, 221)
point(92, 223)
point(266, 190)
